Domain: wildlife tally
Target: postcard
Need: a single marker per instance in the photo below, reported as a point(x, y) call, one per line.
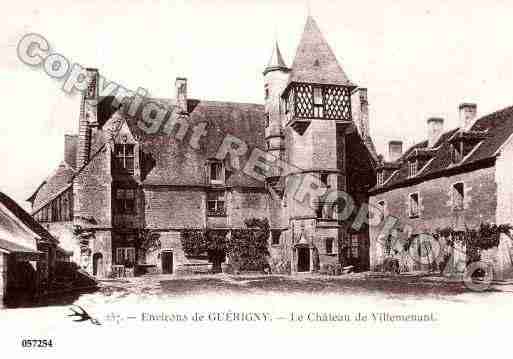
point(250, 178)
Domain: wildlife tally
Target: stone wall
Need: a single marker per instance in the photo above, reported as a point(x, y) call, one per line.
point(92, 191)
point(244, 204)
point(436, 207)
point(3, 278)
point(169, 208)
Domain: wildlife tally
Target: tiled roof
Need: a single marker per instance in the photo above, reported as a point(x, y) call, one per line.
point(498, 127)
point(276, 61)
point(54, 185)
point(173, 162)
point(315, 62)
point(10, 227)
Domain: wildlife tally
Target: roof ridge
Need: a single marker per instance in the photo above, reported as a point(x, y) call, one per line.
point(315, 61)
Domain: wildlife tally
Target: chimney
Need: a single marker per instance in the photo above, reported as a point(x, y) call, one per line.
point(468, 112)
point(360, 106)
point(435, 127)
point(181, 94)
point(70, 150)
point(395, 150)
point(88, 117)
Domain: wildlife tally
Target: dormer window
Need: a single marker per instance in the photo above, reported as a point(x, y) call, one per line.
point(456, 153)
point(216, 172)
point(124, 158)
point(318, 102)
point(412, 168)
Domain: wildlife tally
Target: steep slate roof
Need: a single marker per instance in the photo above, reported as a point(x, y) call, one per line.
point(276, 61)
point(498, 127)
point(11, 230)
point(315, 62)
point(54, 185)
point(169, 161)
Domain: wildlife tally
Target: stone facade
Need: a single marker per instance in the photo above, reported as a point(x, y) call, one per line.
point(128, 177)
point(451, 191)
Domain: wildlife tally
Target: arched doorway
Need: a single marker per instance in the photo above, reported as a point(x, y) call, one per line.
point(97, 264)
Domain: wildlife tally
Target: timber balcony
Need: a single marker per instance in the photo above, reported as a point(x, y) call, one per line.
point(306, 102)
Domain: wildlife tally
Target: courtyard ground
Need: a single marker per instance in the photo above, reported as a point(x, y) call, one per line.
point(155, 288)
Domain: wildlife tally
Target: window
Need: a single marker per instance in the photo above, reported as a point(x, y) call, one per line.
point(125, 201)
point(355, 246)
point(318, 102)
point(329, 245)
point(124, 158)
point(456, 153)
point(412, 168)
point(275, 237)
point(381, 178)
point(458, 196)
point(266, 118)
point(266, 92)
point(216, 172)
point(414, 205)
point(216, 204)
point(319, 211)
point(382, 207)
point(125, 256)
point(324, 179)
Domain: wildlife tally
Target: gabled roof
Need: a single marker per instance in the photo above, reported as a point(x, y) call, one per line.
point(315, 62)
point(498, 127)
point(276, 61)
point(171, 161)
point(54, 185)
point(19, 227)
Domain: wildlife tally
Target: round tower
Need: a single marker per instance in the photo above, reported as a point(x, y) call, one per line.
point(276, 75)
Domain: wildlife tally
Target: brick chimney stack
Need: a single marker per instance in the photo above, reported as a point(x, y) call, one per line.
point(181, 94)
point(435, 127)
point(468, 113)
point(395, 150)
point(88, 117)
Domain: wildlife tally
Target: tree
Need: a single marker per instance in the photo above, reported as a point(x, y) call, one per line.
point(196, 243)
point(246, 247)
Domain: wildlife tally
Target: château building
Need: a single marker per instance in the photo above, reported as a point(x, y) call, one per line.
point(123, 174)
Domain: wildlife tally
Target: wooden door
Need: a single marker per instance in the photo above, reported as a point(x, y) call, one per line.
point(303, 259)
point(167, 262)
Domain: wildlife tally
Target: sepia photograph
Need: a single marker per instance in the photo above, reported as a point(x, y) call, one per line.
point(249, 178)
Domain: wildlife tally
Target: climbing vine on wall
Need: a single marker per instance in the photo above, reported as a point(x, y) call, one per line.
point(486, 236)
point(247, 247)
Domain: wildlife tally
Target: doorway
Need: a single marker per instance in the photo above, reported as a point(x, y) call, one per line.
point(97, 264)
point(167, 262)
point(303, 259)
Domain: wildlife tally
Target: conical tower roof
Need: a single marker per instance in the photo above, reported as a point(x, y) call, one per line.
point(276, 61)
point(315, 62)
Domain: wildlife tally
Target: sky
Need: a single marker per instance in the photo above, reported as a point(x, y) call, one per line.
point(417, 59)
